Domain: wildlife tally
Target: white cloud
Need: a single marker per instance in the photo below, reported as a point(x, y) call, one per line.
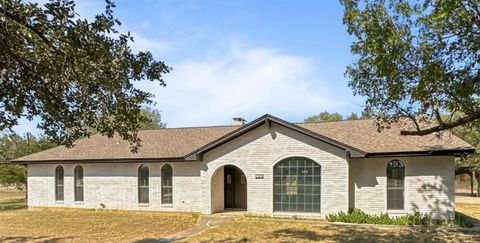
point(142, 43)
point(246, 83)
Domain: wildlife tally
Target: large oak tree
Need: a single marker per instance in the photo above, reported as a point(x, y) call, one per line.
point(416, 59)
point(72, 73)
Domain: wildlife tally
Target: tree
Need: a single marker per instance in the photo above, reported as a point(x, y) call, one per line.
point(472, 136)
point(352, 116)
point(154, 119)
point(335, 116)
point(416, 60)
point(72, 73)
point(325, 116)
point(12, 147)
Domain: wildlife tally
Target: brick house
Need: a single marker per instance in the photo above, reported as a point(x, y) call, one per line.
point(268, 166)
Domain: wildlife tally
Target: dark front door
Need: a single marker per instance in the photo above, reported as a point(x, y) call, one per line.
point(229, 186)
point(235, 184)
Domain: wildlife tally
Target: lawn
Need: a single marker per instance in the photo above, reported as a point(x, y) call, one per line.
point(253, 229)
point(75, 225)
point(18, 224)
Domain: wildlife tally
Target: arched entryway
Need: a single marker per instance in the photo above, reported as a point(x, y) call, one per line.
point(228, 189)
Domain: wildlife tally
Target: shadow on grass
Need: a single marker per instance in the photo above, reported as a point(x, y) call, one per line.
point(463, 216)
point(296, 234)
point(151, 240)
point(13, 204)
point(33, 239)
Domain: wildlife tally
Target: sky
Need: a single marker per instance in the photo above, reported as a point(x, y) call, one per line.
point(239, 58)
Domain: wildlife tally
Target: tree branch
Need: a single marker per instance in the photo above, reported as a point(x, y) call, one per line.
point(443, 125)
point(26, 25)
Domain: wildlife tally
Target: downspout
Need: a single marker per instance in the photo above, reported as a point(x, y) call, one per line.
point(351, 194)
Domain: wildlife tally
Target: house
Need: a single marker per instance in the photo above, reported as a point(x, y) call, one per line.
point(268, 166)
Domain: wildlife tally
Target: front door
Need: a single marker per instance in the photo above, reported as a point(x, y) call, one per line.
point(229, 186)
point(235, 185)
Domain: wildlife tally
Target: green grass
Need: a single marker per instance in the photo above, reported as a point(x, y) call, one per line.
point(12, 200)
point(13, 204)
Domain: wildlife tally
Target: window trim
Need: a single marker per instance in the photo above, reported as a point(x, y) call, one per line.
point(139, 185)
point(77, 187)
point(57, 200)
point(395, 210)
point(162, 198)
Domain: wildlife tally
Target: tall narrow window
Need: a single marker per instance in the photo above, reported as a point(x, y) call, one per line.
point(78, 183)
point(59, 183)
point(395, 184)
point(143, 175)
point(167, 185)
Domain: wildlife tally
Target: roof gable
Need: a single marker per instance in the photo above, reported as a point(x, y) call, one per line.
point(267, 120)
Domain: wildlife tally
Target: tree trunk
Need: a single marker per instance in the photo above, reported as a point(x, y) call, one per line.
point(477, 175)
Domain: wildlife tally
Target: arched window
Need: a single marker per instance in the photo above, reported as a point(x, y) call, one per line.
point(59, 183)
point(167, 185)
point(143, 177)
point(395, 184)
point(78, 183)
point(297, 185)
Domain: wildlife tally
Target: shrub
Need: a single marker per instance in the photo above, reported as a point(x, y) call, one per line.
point(359, 217)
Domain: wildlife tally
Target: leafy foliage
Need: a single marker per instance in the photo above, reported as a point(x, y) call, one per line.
point(153, 121)
point(359, 217)
point(72, 73)
point(327, 116)
point(12, 147)
point(416, 59)
point(470, 134)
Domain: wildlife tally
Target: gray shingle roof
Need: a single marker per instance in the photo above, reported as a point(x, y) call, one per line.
point(175, 143)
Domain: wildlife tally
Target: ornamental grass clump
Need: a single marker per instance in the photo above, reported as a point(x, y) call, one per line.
point(357, 216)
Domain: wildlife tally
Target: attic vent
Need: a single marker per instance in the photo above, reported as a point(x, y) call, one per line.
point(238, 121)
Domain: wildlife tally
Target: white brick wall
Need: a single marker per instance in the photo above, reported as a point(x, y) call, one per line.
point(429, 185)
point(115, 186)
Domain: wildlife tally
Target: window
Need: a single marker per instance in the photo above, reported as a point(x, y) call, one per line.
point(59, 183)
point(167, 188)
point(297, 184)
point(78, 183)
point(395, 184)
point(143, 184)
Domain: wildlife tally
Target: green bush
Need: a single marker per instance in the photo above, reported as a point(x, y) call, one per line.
point(359, 217)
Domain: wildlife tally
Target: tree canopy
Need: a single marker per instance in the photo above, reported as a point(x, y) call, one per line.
point(72, 73)
point(325, 116)
point(416, 59)
point(335, 116)
point(472, 136)
point(12, 147)
point(153, 121)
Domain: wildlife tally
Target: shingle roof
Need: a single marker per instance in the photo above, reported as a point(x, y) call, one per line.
point(176, 143)
point(162, 143)
point(363, 135)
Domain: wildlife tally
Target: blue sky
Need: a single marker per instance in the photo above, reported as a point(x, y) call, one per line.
point(239, 58)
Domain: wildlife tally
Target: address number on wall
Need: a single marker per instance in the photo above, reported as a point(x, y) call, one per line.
point(258, 176)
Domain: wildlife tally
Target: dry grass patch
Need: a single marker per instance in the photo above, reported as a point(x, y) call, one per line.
point(278, 230)
point(82, 225)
